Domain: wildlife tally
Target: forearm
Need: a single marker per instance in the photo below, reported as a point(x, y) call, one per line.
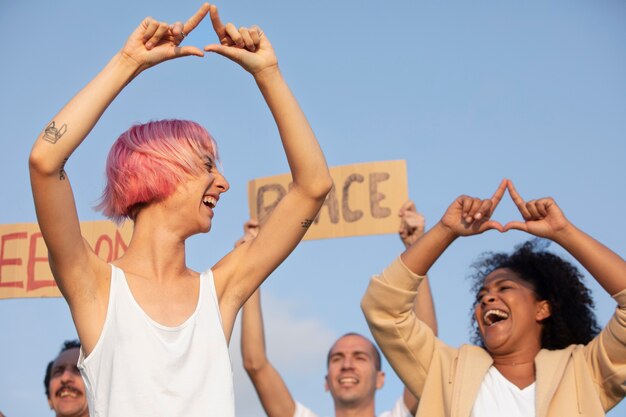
point(252, 335)
point(424, 306)
point(420, 256)
point(607, 267)
point(306, 160)
point(73, 123)
point(268, 383)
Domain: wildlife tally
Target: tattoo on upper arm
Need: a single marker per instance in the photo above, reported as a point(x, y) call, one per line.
point(52, 134)
point(306, 223)
point(62, 170)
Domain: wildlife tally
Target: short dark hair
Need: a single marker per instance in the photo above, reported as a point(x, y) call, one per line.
point(68, 344)
point(377, 357)
point(571, 320)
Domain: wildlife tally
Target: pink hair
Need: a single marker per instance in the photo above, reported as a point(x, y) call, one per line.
point(148, 161)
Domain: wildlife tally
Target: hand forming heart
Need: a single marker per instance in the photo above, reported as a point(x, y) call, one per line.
point(468, 216)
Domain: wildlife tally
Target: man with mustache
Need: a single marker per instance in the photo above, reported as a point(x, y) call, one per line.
point(65, 388)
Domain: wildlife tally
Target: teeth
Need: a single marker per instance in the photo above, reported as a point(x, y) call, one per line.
point(493, 316)
point(348, 380)
point(68, 392)
point(209, 201)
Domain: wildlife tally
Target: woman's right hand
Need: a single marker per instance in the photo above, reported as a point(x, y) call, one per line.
point(468, 216)
point(154, 42)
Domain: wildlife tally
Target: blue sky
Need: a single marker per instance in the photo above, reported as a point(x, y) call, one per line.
point(466, 92)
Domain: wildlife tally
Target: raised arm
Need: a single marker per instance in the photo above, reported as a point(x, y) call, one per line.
point(466, 216)
point(74, 265)
point(269, 385)
point(242, 271)
point(544, 218)
point(412, 226)
point(389, 302)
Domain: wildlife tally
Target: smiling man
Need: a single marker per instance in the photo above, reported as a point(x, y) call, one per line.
point(354, 371)
point(64, 385)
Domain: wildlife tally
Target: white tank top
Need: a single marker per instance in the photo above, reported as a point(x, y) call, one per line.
point(142, 368)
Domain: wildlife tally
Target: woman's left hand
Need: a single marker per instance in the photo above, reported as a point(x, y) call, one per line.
point(247, 46)
point(542, 217)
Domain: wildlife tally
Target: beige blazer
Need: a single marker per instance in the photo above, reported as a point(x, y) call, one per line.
point(580, 380)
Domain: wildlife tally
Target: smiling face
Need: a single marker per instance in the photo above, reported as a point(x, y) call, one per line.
point(67, 390)
point(196, 198)
point(353, 377)
point(509, 315)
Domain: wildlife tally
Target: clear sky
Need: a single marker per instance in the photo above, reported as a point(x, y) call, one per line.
point(466, 92)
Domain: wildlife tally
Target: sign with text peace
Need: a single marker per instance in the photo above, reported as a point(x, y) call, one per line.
point(365, 199)
point(24, 268)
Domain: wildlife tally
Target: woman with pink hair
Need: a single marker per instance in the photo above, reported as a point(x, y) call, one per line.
point(154, 333)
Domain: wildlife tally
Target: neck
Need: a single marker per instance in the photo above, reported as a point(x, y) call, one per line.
point(518, 368)
point(154, 250)
point(355, 410)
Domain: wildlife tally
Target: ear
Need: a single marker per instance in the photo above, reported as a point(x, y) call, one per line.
point(380, 379)
point(326, 388)
point(543, 311)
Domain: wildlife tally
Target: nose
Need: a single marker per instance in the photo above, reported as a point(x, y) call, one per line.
point(67, 375)
point(221, 182)
point(487, 299)
point(347, 363)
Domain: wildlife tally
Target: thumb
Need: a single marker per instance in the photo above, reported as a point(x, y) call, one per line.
point(492, 225)
point(515, 226)
point(188, 51)
point(226, 51)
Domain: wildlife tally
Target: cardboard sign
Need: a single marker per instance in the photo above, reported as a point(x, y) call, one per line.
point(24, 268)
point(365, 199)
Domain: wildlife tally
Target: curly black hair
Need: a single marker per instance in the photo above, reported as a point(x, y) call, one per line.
point(68, 344)
point(572, 319)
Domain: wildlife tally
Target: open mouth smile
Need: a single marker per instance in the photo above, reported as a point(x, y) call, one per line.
point(68, 391)
point(493, 316)
point(209, 201)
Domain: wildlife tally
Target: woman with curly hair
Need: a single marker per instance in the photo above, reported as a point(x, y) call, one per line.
point(539, 352)
point(572, 319)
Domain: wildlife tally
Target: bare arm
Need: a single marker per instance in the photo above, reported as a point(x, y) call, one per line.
point(269, 385)
point(243, 270)
point(74, 265)
point(466, 216)
point(544, 218)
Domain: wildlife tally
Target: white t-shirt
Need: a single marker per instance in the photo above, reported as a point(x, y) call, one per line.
point(500, 397)
point(398, 410)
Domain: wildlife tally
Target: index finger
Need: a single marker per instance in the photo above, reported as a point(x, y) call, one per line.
point(497, 196)
point(218, 26)
point(408, 205)
point(518, 200)
point(195, 20)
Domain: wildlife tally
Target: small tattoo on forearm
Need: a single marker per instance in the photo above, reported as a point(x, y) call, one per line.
point(52, 134)
point(62, 170)
point(306, 223)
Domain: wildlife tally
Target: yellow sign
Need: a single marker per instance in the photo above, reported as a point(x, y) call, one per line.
point(365, 199)
point(24, 268)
